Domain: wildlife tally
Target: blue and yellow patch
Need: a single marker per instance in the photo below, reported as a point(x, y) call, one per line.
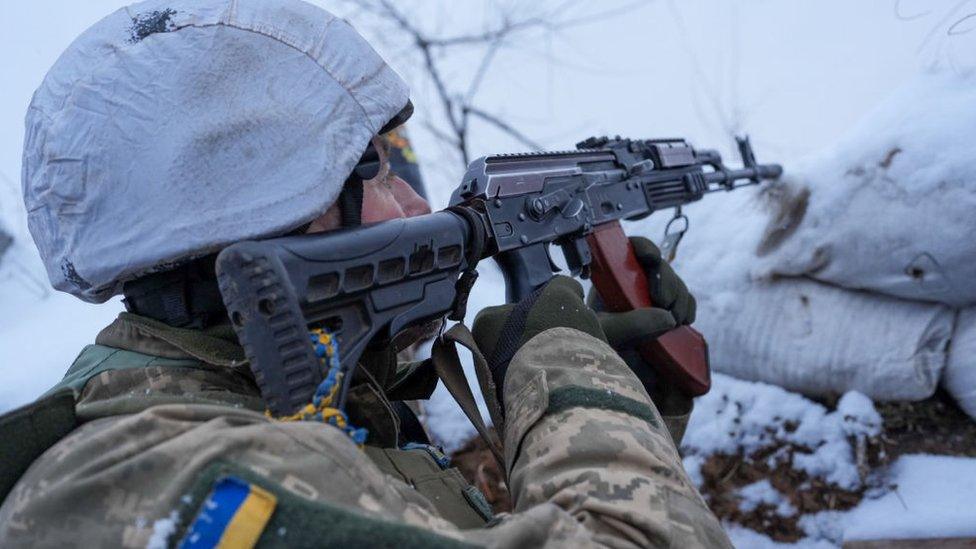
point(233, 516)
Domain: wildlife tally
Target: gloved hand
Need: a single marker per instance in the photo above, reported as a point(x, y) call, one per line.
point(668, 292)
point(502, 330)
point(673, 305)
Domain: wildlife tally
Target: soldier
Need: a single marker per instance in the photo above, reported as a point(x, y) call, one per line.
point(172, 129)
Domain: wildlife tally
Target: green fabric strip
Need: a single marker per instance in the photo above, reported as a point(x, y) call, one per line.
point(95, 359)
point(29, 431)
point(574, 396)
point(299, 522)
point(215, 345)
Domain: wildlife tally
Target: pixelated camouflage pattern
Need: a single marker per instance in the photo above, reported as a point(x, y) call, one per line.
point(619, 477)
point(110, 481)
point(131, 390)
point(580, 477)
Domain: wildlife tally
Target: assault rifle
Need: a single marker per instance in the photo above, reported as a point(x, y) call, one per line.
point(367, 284)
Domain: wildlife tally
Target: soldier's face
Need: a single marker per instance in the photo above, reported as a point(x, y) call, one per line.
point(386, 196)
point(383, 198)
point(389, 198)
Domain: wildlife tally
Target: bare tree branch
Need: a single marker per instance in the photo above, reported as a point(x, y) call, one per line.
point(458, 99)
point(505, 127)
point(448, 139)
point(954, 28)
point(943, 23)
point(479, 75)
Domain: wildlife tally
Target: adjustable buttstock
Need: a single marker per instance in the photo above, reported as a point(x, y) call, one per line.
point(361, 284)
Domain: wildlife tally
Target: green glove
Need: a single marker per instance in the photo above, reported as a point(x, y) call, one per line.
point(501, 331)
point(673, 305)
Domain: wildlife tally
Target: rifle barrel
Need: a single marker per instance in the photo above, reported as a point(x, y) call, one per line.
point(728, 178)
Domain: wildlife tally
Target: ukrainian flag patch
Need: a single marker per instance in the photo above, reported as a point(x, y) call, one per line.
point(233, 516)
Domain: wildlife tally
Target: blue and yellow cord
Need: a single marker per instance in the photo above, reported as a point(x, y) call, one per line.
point(322, 408)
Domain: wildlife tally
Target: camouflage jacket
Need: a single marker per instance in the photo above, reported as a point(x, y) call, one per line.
point(172, 432)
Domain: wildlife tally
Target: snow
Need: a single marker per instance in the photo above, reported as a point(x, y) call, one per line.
point(744, 538)
point(933, 497)
point(162, 530)
point(43, 331)
point(918, 496)
point(933, 494)
point(762, 493)
point(858, 415)
point(739, 416)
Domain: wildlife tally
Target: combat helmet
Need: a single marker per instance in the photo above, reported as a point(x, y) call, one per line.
point(171, 129)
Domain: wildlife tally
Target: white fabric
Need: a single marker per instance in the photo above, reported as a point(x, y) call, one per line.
point(172, 128)
point(835, 307)
point(820, 340)
point(893, 204)
point(795, 332)
point(960, 371)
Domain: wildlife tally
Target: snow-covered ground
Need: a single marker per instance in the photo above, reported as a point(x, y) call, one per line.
point(932, 498)
point(916, 496)
point(740, 417)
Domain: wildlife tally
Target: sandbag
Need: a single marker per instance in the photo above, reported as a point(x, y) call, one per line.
point(838, 277)
point(960, 372)
point(5, 242)
point(801, 334)
point(798, 333)
point(815, 339)
point(891, 207)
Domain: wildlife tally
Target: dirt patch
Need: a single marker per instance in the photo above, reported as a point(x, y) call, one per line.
point(932, 426)
point(479, 467)
point(724, 476)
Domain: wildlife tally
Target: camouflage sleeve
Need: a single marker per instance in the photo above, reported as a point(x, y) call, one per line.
point(585, 447)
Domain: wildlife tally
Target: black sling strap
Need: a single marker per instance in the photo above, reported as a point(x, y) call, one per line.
point(28, 431)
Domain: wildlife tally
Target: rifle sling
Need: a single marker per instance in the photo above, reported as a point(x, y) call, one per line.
point(444, 358)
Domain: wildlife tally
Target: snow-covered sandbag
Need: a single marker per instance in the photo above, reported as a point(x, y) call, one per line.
point(960, 372)
point(883, 219)
point(821, 340)
point(794, 332)
point(5, 242)
point(891, 207)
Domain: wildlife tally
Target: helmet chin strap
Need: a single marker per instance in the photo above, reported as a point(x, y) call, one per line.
point(371, 165)
point(351, 202)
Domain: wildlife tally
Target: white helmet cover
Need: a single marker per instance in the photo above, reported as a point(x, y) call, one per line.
point(171, 129)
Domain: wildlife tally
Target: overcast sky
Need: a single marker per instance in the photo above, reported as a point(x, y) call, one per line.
point(793, 74)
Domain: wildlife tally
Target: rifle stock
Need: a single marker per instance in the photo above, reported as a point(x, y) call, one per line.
point(368, 283)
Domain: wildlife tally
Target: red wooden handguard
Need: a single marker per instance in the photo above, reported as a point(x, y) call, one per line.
point(680, 355)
